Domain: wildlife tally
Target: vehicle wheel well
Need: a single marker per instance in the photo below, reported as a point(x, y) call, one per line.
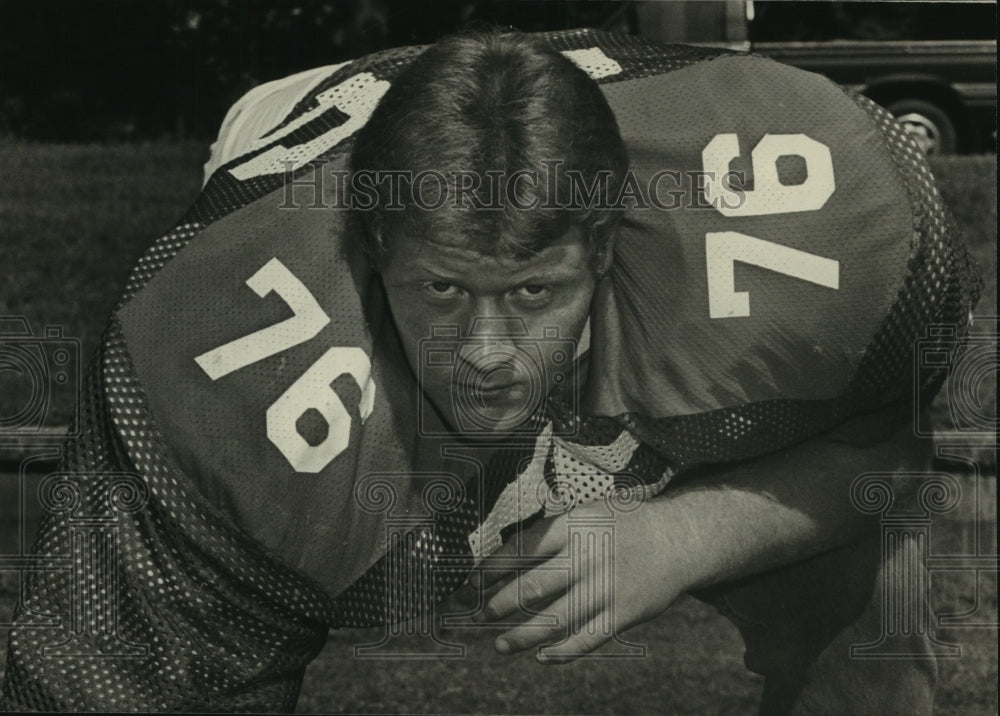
point(939, 95)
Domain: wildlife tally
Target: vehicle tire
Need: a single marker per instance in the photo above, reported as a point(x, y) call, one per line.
point(932, 127)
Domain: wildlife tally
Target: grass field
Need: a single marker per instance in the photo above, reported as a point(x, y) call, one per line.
point(73, 220)
point(693, 663)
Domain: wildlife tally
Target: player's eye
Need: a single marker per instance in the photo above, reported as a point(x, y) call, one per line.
point(441, 289)
point(533, 292)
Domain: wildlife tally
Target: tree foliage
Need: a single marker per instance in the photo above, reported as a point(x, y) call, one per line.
point(83, 70)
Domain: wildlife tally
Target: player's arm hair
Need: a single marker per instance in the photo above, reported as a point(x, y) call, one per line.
point(796, 503)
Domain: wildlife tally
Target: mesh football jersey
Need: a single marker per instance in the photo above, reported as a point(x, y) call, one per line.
point(252, 380)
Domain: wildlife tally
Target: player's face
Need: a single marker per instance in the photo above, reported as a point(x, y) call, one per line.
point(489, 337)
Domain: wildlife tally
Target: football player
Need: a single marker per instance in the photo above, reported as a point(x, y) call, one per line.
point(465, 267)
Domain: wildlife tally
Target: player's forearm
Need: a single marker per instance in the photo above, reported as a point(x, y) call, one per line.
point(738, 521)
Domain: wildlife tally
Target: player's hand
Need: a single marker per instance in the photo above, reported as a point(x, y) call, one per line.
point(576, 588)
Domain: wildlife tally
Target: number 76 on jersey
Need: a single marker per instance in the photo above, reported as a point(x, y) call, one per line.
point(769, 196)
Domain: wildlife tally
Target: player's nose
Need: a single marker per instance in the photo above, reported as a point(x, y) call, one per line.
point(490, 347)
point(496, 328)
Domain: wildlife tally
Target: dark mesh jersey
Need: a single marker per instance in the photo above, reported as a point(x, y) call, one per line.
point(247, 454)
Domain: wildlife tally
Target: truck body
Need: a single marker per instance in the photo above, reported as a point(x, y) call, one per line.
point(933, 65)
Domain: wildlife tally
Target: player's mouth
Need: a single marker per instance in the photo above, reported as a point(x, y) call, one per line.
point(493, 392)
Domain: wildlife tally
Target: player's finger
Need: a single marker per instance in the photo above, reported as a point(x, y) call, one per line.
point(501, 567)
point(534, 586)
point(548, 626)
point(582, 640)
point(464, 602)
point(534, 545)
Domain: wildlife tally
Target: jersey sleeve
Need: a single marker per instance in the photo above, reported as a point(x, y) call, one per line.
point(786, 256)
point(259, 111)
point(149, 601)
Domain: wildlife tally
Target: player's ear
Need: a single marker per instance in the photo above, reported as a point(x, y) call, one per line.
point(375, 245)
point(604, 253)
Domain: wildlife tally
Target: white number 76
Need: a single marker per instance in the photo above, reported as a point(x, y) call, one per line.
point(769, 196)
point(313, 389)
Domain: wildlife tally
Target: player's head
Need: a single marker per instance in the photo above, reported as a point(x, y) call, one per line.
point(490, 169)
